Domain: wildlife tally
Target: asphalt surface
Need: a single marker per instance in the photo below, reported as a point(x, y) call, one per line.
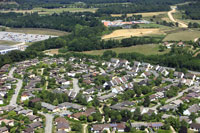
point(48, 122)
point(101, 70)
point(76, 87)
point(13, 101)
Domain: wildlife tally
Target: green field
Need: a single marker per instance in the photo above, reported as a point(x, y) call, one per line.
point(184, 35)
point(37, 31)
point(150, 49)
point(2, 42)
point(55, 10)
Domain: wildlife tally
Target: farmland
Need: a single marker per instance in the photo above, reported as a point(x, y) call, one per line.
point(150, 49)
point(40, 31)
point(125, 33)
point(44, 11)
point(185, 35)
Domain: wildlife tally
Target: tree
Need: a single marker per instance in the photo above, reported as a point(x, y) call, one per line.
point(12, 114)
point(55, 102)
point(90, 118)
point(136, 114)
point(76, 127)
point(119, 118)
point(146, 102)
point(193, 116)
point(82, 118)
point(108, 54)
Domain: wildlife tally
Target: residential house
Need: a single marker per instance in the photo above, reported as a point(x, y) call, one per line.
point(7, 122)
point(66, 105)
point(192, 109)
point(179, 75)
point(190, 76)
point(34, 118)
point(98, 128)
point(4, 130)
point(50, 107)
point(62, 125)
point(35, 125)
point(195, 127)
point(87, 113)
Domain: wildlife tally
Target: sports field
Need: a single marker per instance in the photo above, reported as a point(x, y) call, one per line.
point(125, 33)
point(148, 49)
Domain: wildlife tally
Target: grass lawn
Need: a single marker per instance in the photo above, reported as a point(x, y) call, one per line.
point(186, 35)
point(41, 31)
point(150, 49)
point(2, 42)
point(55, 10)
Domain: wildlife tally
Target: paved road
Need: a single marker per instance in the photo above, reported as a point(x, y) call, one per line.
point(76, 87)
point(181, 24)
point(49, 122)
point(179, 95)
point(173, 98)
point(13, 100)
point(101, 70)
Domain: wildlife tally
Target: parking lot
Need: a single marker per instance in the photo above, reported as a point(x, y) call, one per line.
point(22, 37)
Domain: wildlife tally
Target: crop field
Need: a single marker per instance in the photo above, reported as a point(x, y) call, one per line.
point(186, 35)
point(40, 31)
point(125, 33)
point(55, 10)
point(148, 49)
point(145, 14)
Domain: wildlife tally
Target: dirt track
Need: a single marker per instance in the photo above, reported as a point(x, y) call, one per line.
point(181, 24)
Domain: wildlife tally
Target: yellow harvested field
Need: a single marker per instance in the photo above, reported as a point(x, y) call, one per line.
point(146, 14)
point(126, 33)
point(51, 51)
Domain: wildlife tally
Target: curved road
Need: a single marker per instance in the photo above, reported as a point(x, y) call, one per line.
point(181, 24)
point(13, 101)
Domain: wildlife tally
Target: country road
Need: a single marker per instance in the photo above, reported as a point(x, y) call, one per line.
point(13, 100)
point(181, 24)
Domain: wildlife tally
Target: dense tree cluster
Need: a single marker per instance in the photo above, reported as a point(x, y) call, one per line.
point(192, 10)
point(194, 25)
point(65, 21)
